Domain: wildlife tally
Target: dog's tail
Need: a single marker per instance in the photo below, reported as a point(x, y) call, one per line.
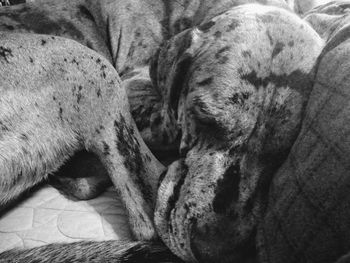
point(93, 251)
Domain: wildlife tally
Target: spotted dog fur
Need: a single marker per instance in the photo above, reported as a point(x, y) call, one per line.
point(126, 33)
point(235, 87)
point(59, 97)
point(113, 28)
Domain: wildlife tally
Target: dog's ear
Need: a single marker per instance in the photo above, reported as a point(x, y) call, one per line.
point(169, 70)
point(187, 45)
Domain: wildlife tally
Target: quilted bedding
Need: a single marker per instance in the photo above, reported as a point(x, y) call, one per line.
point(307, 218)
point(47, 216)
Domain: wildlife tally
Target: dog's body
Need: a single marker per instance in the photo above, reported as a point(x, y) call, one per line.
point(59, 97)
point(114, 29)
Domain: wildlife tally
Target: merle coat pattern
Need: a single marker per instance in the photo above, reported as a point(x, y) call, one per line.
point(59, 97)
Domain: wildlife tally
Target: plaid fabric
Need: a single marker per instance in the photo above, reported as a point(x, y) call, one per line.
point(308, 214)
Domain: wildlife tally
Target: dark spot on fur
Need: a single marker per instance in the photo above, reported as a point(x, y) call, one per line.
point(206, 26)
point(106, 149)
point(270, 37)
point(5, 53)
point(277, 49)
point(60, 113)
point(98, 61)
point(239, 98)
point(223, 60)
point(43, 42)
point(24, 137)
point(34, 20)
point(205, 82)
point(84, 12)
point(222, 50)
point(227, 189)
point(98, 93)
point(291, 43)
point(79, 97)
point(297, 80)
point(25, 151)
point(31, 60)
point(246, 53)
point(75, 61)
point(103, 74)
point(3, 127)
point(129, 148)
point(234, 24)
point(218, 34)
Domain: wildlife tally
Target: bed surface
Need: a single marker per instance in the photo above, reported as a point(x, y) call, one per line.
point(48, 216)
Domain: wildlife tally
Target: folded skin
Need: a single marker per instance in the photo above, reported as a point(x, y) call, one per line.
point(236, 87)
point(328, 19)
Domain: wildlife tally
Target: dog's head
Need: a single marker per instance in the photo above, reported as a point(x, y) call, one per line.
point(235, 88)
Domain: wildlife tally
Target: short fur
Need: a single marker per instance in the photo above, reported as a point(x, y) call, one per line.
point(107, 252)
point(236, 88)
point(58, 98)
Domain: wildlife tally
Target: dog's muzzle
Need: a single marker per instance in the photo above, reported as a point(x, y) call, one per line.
point(195, 211)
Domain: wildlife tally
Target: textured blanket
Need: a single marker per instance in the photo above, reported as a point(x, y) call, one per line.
point(308, 214)
point(47, 216)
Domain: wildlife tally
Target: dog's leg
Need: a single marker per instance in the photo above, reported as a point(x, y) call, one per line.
point(133, 170)
point(27, 157)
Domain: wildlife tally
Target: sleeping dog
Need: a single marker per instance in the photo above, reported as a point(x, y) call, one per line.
point(235, 89)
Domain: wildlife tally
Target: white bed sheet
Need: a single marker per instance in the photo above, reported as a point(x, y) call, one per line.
point(47, 216)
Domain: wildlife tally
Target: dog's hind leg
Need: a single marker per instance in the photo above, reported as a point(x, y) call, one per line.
point(27, 154)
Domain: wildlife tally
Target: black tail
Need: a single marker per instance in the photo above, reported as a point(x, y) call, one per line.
point(92, 251)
